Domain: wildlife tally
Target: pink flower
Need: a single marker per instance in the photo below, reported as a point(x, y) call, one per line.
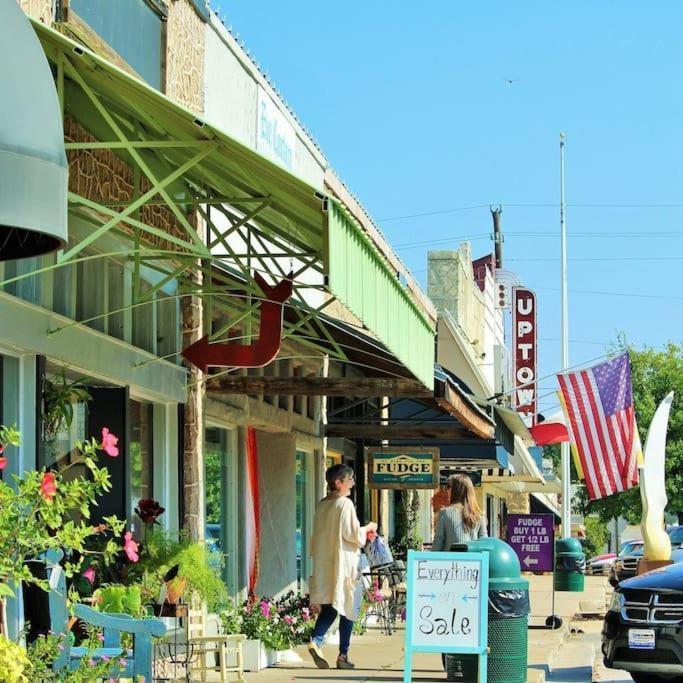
point(100, 637)
point(130, 547)
point(48, 487)
point(288, 620)
point(91, 662)
point(3, 463)
point(123, 662)
point(89, 575)
point(265, 608)
point(109, 442)
point(306, 613)
point(105, 658)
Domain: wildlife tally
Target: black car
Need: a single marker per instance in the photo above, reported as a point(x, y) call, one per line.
point(643, 628)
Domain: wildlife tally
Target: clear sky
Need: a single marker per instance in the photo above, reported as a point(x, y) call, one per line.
point(409, 102)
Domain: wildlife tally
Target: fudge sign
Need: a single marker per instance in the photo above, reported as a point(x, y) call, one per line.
point(524, 353)
point(532, 537)
point(404, 468)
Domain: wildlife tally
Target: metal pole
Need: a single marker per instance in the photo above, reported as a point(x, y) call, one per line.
point(566, 492)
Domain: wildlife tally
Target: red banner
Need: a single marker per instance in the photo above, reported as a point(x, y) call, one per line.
point(525, 397)
point(253, 516)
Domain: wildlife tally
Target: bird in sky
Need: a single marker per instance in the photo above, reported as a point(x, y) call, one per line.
point(510, 81)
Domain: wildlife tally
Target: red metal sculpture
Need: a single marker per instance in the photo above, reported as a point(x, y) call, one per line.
point(203, 355)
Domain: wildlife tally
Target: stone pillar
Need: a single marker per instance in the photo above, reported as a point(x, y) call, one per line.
point(186, 41)
point(193, 456)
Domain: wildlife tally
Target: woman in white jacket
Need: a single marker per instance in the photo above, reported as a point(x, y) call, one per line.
point(335, 548)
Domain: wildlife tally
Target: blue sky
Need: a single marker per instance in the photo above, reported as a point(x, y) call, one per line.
point(409, 103)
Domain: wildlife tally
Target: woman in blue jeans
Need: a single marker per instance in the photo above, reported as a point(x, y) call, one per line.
point(335, 548)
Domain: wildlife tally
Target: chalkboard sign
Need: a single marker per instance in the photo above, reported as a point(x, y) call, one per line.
point(447, 608)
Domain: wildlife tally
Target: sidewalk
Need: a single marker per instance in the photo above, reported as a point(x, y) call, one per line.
point(570, 654)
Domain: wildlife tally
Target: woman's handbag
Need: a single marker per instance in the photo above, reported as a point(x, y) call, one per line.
point(378, 552)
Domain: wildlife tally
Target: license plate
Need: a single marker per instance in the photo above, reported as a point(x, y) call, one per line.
point(641, 638)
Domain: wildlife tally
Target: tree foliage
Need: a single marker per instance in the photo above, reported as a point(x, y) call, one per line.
point(655, 373)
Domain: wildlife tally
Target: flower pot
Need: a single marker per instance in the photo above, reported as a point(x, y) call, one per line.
point(256, 656)
point(175, 589)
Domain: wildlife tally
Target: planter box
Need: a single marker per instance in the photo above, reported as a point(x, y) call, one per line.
point(256, 656)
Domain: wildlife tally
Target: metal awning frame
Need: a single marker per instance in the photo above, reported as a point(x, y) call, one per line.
point(184, 167)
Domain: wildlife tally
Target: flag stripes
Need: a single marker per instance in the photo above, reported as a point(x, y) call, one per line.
point(602, 427)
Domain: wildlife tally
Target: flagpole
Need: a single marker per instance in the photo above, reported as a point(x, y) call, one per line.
point(564, 335)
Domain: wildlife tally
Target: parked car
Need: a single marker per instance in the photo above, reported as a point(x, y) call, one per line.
point(600, 565)
point(626, 564)
point(643, 628)
point(676, 536)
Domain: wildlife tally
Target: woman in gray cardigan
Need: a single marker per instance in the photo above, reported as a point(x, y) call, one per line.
point(462, 520)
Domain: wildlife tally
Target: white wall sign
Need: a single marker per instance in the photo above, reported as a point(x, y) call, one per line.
point(447, 608)
point(275, 136)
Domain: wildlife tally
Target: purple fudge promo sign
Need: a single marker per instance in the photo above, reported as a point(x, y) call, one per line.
point(533, 538)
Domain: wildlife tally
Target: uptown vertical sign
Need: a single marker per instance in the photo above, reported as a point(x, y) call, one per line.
point(524, 353)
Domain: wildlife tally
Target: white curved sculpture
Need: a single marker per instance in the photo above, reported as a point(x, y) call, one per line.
point(652, 486)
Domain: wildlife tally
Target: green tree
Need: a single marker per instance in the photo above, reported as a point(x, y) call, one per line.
point(654, 373)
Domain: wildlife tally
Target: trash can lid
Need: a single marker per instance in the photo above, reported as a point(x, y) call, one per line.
point(568, 545)
point(504, 567)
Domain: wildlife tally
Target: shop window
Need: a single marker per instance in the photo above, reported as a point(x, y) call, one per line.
point(143, 320)
point(168, 327)
point(133, 28)
point(28, 288)
point(220, 480)
point(64, 289)
point(298, 401)
point(115, 300)
point(283, 400)
point(141, 457)
point(302, 531)
point(90, 297)
point(310, 404)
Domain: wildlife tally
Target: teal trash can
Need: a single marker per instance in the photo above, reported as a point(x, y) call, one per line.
point(508, 615)
point(570, 565)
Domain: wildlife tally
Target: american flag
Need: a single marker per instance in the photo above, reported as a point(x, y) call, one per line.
point(602, 425)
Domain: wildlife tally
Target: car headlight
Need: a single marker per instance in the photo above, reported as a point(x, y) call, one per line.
point(617, 602)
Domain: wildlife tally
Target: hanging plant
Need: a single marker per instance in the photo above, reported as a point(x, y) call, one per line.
point(59, 396)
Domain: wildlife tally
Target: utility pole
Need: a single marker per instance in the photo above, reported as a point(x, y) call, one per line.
point(497, 236)
point(566, 483)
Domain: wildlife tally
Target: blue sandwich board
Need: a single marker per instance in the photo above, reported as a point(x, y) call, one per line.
point(447, 608)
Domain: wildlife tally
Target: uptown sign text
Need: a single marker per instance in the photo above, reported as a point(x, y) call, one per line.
point(524, 353)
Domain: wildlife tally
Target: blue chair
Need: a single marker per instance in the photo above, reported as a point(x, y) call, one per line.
point(138, 658)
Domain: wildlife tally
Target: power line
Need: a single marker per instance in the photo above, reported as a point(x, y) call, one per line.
point(626, 294)
point(401, 246)
point(547, 205)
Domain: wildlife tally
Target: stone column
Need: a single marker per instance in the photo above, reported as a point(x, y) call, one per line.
point(185, 84)
point(193, 456)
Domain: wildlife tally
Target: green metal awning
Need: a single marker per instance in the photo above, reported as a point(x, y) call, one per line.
point(361, 279)
point(181, 162)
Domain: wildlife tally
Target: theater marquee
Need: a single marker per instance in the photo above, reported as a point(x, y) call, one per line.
point(403, 468)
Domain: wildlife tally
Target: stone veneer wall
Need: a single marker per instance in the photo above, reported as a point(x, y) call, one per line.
point(185, 40)
point(38, 9)
point(186, 43)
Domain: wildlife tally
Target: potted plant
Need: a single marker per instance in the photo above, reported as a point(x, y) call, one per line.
point(271, 627)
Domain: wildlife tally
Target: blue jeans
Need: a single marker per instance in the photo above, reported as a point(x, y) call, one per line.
point(325, 619)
